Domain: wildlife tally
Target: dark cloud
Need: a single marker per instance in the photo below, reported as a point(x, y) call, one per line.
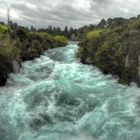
point(74, 13)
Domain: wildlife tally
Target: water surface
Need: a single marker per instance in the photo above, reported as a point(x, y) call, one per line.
point(55, 97)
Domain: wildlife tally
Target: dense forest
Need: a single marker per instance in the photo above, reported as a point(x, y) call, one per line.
point(114, 47)
point(18, 44)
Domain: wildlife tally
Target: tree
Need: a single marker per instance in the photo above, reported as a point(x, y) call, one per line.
point(22, 34)
point(50, 29)
point(66, 31)
point(102, 23)
point(58, 31)
point(33, 29)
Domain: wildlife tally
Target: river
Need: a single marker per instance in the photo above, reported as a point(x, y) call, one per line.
point(55, 97)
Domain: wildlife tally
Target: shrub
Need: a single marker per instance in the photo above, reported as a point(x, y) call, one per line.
point(94, 35)
point(40, 36)
point(8, 50)
point(8, 53)
point(60, 40)
point(134, 25)
point(3, 28)
point(36, 46)
point(22, 34)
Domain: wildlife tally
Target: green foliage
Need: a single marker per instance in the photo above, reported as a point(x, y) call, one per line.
point(8, 50)
point(8, 54)
point(102, 24)
point(60, 40)
point(41, 35)
point(22, 45)
point(35, 49)
point(81, 51)
point(94, 34)
point(22, 34)
point(115, 49)
point(3, 28)
point(134, 24)
point(104, 59)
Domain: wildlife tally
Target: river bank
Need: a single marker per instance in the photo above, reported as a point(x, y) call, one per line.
point(23, 45)
point(114, 47)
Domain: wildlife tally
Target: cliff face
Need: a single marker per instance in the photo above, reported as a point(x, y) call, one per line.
point(115, 49)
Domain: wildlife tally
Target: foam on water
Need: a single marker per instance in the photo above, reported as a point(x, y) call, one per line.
point(55, 97)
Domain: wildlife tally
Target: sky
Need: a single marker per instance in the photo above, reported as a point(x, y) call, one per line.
point(71, 13)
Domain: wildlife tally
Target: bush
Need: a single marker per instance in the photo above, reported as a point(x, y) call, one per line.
point(134, 25)
point(8, 53)
point(8, 50)
point(36, 47)
point(60, 40)
point(22, 34)
point(40, 36)
point(3, 28)
point(109, 49)
point(94, 35)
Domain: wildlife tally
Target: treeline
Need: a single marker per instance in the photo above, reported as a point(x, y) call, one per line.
point(70, 33)
point(18, 44)
point(114, 46)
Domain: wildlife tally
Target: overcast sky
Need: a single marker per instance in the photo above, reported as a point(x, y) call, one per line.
point(75, 13)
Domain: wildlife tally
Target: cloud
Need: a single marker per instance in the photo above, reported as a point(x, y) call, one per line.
point(115, 8)
point(74, 13)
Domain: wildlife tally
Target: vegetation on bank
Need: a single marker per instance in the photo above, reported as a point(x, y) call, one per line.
point(8, 53)
point(21, 45)
point(3, 28)
point(114, 47)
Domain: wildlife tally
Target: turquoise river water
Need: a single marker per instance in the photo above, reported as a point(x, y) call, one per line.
point(55, 97)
